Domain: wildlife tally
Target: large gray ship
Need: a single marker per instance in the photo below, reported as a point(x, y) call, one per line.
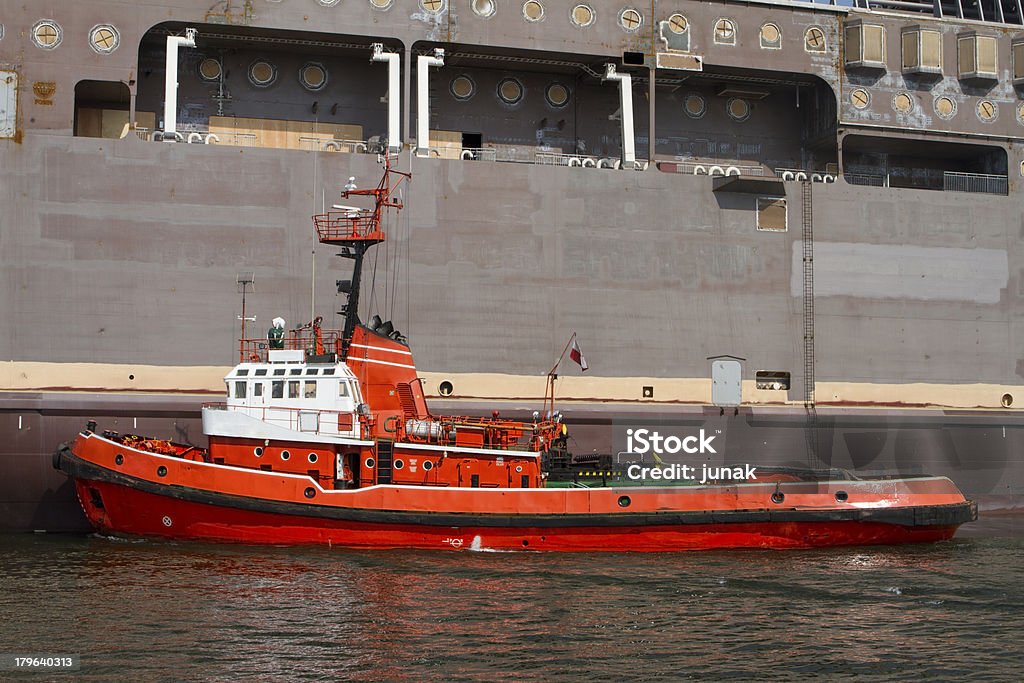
point(792, 226)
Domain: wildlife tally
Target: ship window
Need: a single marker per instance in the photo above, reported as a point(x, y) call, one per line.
point(285, 455)
point(533, 10)
point(557, 95)
point(210, 69)
point(977, 57)
point(771, 214)
point(774, 380)
point(865, 46)
point(462, 87)
point(262, 74)
point(310, 389)
point(381, 4)
point(510, 91)
point(293, 389)
point(432, 6)
point(328, 371)
point(239, 389)
point(582, 15)
point(771, 37)
point(243, 372)
point(342, 389)
point(47, 34)
point(725, 32)
point(312, 371)
point(313, 76)
point(295, 371)
point(257, 389)
point(630, 19)
point(814, 40)
point(922, 51)
point(277, 390)
point(278, 372)
point(260, 372)
point(484, 8)
point(104, 38)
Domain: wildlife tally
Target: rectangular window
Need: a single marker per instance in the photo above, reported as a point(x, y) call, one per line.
point(278, 372)
point(242, 372)
point(293, 389)
point(277, 390)
point(309, 390)
point(239, 389)
point(260, 372)
point(772, 380)
point(328, 371)
point(312, 371)
point(342, 388)
point(771, 214)
point(1018, 62)
point(295, 371)
point(865, 46)
point(922, 51)
point(977, 57)
point(257, 389)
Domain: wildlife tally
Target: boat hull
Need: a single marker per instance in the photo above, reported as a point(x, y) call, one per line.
point(131, 512)
point(118, 500)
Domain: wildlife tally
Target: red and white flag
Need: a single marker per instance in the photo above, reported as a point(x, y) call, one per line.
point(577, 355)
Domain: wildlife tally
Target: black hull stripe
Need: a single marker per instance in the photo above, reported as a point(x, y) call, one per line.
point(918, 516)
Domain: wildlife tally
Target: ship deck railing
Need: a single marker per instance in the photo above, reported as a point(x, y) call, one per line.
point(952, 181)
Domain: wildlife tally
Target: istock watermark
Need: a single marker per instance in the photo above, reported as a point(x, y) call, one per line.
point(641, 441)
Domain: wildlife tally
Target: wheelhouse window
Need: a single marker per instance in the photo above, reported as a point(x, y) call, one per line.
point(239, 389)
point(278, 372)
point(277, 390)
point(260, 372)
point(309, 391)
point(342, 389)
point(257, 389)
point(293, 389)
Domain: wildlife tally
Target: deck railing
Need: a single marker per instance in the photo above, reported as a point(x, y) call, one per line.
point(975, 182)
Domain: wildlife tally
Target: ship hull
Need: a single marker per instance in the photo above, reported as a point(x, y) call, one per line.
point(120, 495)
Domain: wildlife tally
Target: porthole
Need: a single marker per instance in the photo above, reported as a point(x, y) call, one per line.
point(582, 15)
point(630, 19)
point(519, 469)
point(945, 107)
point(210, 69)
point(258, 451)
point(432, 6)
point(725, 32)
point(312, 458)
point(445, 388)
point(398, 464)
point(104, 38)
point(328, 3)
point(860, 98)
point(533, 10)
point(842, 496)
point(313, 76)
point(814, 39)
point(285, 455)
point(510, 91)
point(310, 492)
point(678, 24)
point(47, 34)
point(738, 108)
point(557, 95)
point(428, 465)
point(262, 73)
point(118, 459)
point(988, 111)
point(462, 87)
point(778, 497)
point(694, 105)
point(381, 4)
point(624, 501)
point(484, 8)
point(369, 462)
point(1006, 401)
point(903, 103)
point(771, 37)
point(161, 471)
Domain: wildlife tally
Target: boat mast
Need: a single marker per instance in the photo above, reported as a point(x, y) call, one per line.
point(355, 230)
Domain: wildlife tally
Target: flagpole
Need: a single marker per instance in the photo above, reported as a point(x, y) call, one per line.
point(552, 377)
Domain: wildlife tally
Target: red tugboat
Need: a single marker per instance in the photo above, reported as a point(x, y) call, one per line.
point(326, 438)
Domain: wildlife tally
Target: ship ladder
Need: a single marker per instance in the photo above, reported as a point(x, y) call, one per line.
point(807, 210)
point(385, 456)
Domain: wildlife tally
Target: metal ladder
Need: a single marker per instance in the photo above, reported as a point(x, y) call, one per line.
point(385, 453)
point(807, 210)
